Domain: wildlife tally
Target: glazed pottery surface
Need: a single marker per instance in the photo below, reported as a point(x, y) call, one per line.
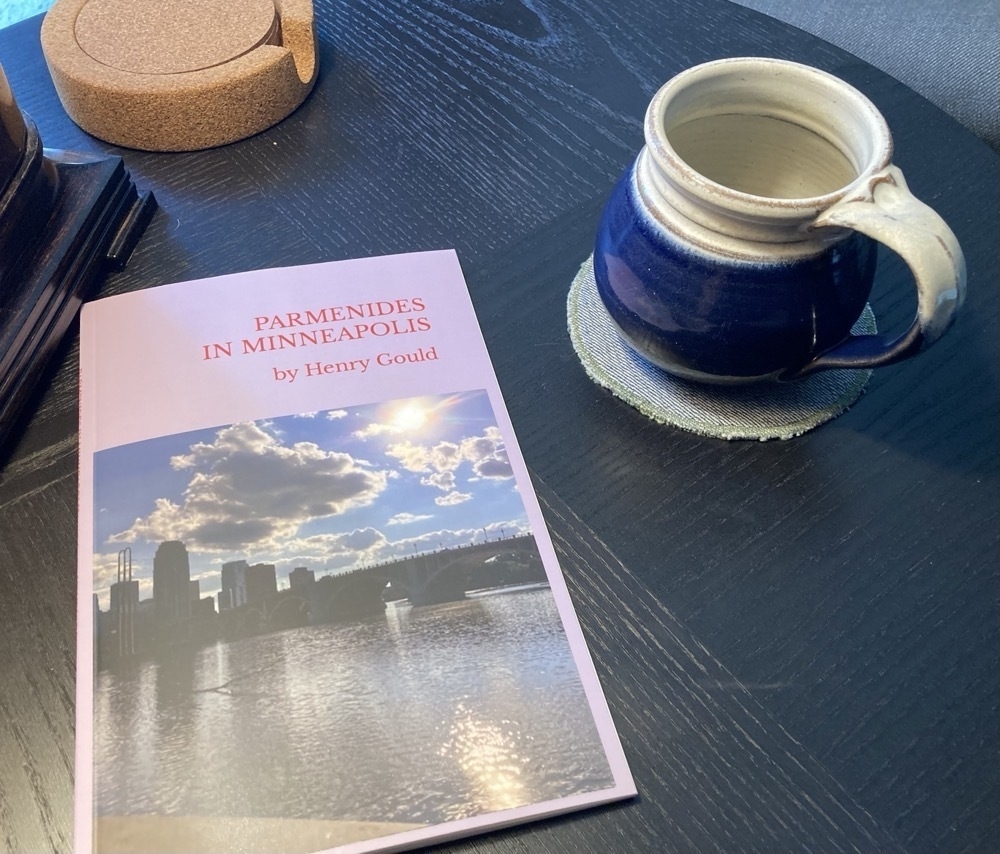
point(741, 244)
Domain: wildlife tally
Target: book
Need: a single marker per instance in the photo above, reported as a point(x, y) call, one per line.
point(319, 609)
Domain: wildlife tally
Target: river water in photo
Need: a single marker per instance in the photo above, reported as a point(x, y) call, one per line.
point(418, 715)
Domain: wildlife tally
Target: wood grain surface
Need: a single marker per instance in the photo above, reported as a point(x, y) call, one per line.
point(798, 640)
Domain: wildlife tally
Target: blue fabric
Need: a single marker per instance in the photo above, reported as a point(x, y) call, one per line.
point(947, 52)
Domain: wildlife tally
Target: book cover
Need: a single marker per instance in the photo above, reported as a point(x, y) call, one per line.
point(319, 609)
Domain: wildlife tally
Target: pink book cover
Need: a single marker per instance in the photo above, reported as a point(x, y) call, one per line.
point(319, 609)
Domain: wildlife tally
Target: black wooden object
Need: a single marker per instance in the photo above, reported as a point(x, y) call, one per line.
point(799, 640)
point(65, 220)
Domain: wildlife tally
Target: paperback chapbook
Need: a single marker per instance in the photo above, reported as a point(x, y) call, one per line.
point(318, 606)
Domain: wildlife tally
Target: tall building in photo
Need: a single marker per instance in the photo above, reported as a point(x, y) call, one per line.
point(300, 578)
point(171, 582)
point(121, 616)
point(243, 584)
point(125, 596)
point(232, 575)
point(261, 583)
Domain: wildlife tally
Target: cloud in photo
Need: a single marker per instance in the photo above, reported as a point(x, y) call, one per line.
point(408, 518)
point(443, 480)
point(247, 489)
point(446, 538)
point(375, 429)
point(332, 551)
point(485, 454)
point(452, 498)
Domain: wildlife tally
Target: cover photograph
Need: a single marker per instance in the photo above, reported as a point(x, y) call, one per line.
point(319, 609)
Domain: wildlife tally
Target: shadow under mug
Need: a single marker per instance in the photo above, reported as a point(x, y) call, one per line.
point(740, 244)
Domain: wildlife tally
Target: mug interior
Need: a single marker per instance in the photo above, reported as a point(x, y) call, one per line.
point(772, 129)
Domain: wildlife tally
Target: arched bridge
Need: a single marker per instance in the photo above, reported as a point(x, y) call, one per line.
point(425, 579)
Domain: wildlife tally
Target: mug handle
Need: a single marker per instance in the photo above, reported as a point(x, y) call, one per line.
point(893, 216)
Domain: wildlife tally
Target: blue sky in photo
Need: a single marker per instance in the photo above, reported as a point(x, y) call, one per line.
point(330, 490)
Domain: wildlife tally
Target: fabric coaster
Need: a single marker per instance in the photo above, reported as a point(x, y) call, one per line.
point(760, 411)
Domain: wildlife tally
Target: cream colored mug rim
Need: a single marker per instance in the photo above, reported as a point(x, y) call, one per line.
point(876, 146)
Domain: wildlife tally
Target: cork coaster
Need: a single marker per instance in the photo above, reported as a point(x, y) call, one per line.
point(761, 411)
point(179, 75)
point(173, 37)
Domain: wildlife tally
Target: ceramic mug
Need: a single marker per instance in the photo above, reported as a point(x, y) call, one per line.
point(740, 244)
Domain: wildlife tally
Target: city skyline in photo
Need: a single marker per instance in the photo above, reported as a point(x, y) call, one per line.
point(331, 491)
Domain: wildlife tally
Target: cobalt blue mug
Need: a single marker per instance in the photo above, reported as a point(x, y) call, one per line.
point(740, 246)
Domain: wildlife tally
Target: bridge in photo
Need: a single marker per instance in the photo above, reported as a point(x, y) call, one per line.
point(446, 575)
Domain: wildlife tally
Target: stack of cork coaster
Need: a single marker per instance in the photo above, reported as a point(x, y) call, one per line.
point(179, 75)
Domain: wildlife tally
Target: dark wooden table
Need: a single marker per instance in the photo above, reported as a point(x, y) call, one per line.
point(798, 640)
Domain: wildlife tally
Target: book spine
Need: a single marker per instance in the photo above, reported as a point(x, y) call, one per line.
point(83, 816)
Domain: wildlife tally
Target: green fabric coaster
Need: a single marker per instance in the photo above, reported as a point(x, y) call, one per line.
point(761, 411)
